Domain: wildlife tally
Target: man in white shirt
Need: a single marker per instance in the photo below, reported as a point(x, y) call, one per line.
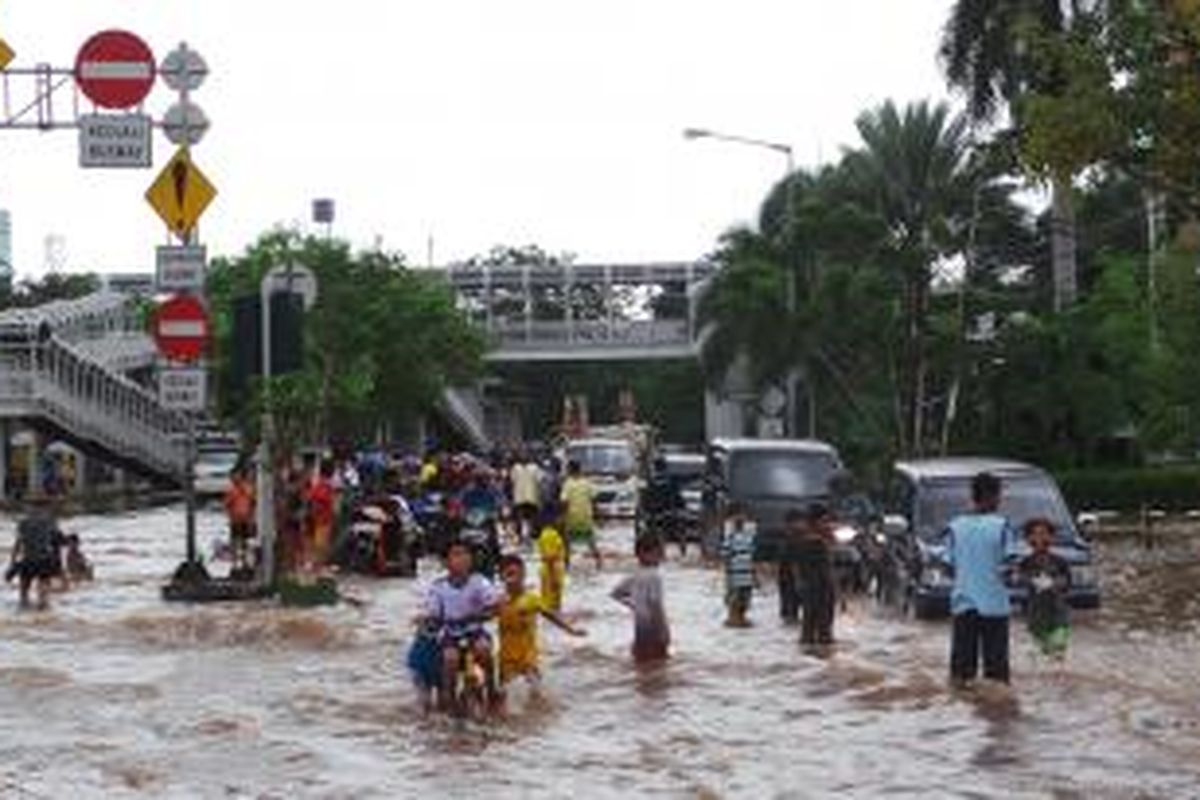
point(526, 479)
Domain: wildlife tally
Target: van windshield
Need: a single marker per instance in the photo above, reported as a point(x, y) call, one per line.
point(1021, 499)
point(781, 474)
point(603, 458)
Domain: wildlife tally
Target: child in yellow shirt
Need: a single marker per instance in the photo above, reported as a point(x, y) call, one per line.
point(518, 623)
point(553, 570)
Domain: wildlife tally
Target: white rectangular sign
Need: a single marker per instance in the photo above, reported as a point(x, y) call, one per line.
point(114, 140)
point(183, 389)
point(180, 269)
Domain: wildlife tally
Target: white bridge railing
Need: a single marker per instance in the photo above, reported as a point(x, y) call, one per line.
point(42, 377)
point(586, 334)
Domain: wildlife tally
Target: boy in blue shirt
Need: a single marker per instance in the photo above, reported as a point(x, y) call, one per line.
point(978, 545)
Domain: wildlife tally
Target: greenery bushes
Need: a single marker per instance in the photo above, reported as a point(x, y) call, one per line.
point(1173, 488)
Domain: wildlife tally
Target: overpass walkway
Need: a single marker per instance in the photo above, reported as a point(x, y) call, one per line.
point(62, 373)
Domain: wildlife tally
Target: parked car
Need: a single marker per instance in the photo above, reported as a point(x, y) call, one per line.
point(212, 469)
point(770, 477)
point(612, 465)
point(687, 470)
point(924, 495)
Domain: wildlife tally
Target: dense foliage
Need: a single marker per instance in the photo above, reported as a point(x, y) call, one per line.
point(382, 341)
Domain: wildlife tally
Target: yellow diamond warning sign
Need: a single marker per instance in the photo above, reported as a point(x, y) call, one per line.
point(180, 194)
point(7, 54)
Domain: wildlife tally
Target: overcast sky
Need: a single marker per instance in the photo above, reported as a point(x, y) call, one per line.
point(474, 122)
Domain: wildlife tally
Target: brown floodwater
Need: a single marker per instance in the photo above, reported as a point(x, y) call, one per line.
point(113, 693)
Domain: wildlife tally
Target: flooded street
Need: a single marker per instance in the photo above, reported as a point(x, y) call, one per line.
point(115, 694)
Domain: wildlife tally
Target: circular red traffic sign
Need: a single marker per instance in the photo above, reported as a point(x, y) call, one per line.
point(180, 328)
point(115, 69)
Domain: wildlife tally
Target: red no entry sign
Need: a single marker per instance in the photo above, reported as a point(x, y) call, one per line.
point(180, 328)
point(115, 69)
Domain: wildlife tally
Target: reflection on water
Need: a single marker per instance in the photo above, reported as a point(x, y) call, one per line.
point(115, 694)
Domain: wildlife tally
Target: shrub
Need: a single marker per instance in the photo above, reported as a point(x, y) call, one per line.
point(1174, 488)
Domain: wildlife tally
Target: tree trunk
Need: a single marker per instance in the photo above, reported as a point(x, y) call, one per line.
point(1062, 243)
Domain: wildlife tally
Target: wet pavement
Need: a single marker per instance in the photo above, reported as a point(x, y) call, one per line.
point(115, 694)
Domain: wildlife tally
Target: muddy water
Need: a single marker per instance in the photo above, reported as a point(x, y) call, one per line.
point(114, 694)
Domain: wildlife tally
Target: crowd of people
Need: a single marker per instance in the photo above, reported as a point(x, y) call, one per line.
point(980, 546)
point(552, 516)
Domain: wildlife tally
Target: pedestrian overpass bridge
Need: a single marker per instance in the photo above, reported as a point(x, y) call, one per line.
point(80, 371)
point(67, 372)
point(584, 312)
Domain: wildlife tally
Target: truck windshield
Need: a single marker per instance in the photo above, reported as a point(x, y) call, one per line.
point(604, 458)
point(781, 474)
point(1022, 499)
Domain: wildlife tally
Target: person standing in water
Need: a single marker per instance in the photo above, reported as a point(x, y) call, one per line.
point(642, 593)
point(36, 557)
point(1047, 578)
point(978, 545)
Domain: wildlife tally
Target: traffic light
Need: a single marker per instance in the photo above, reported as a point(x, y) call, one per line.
point(287, 336)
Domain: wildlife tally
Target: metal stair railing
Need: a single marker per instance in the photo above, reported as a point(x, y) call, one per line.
point(48, 378)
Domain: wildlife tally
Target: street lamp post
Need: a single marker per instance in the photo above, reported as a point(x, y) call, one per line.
point(789, 232)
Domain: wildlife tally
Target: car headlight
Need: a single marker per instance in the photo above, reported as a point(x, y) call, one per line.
point(937, 576)
point(844, 534)
point(1083, 576)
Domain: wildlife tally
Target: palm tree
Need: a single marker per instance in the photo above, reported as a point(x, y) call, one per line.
point(913, 169)
point(988, 53)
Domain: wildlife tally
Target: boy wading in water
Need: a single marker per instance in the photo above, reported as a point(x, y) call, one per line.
point(737, 550)
point(978, 544)
point(518, 616)
point(642, 593)
point(1047, 578)
point(815, 565)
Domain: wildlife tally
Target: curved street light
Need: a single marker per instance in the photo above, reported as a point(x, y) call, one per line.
point(692, 134)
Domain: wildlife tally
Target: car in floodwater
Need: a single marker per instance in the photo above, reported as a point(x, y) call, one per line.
point(924, 495)
point(213, 470)
point(613, 468)
point(769, 477)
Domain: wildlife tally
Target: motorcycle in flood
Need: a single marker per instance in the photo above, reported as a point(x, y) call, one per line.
point(479, 531)
point(383, 540)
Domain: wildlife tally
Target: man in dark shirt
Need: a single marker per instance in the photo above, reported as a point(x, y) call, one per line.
point(815, 565)
point(789, 575)
point(37, 556)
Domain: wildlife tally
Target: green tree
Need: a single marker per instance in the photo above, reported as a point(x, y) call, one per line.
point(382, 341)
point(1017, 55)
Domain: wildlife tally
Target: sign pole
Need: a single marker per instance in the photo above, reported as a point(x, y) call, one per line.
point(189, 491)
point(266, 472)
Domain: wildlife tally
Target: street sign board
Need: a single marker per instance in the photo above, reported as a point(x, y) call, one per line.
point(183, 69)
point(180, 269)
point(7, 54)
point(115, 69)
point(180, 194)
point(292, 278)
point(114, 140)
point(180, 328)
point(185, 123)
point(183, 388)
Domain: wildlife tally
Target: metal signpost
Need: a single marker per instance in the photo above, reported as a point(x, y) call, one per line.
point(115, 70)
point(179, 195)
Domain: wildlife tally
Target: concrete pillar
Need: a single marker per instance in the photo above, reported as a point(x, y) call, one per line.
point(5, 456)
point(34, 476)
point(81, 471)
